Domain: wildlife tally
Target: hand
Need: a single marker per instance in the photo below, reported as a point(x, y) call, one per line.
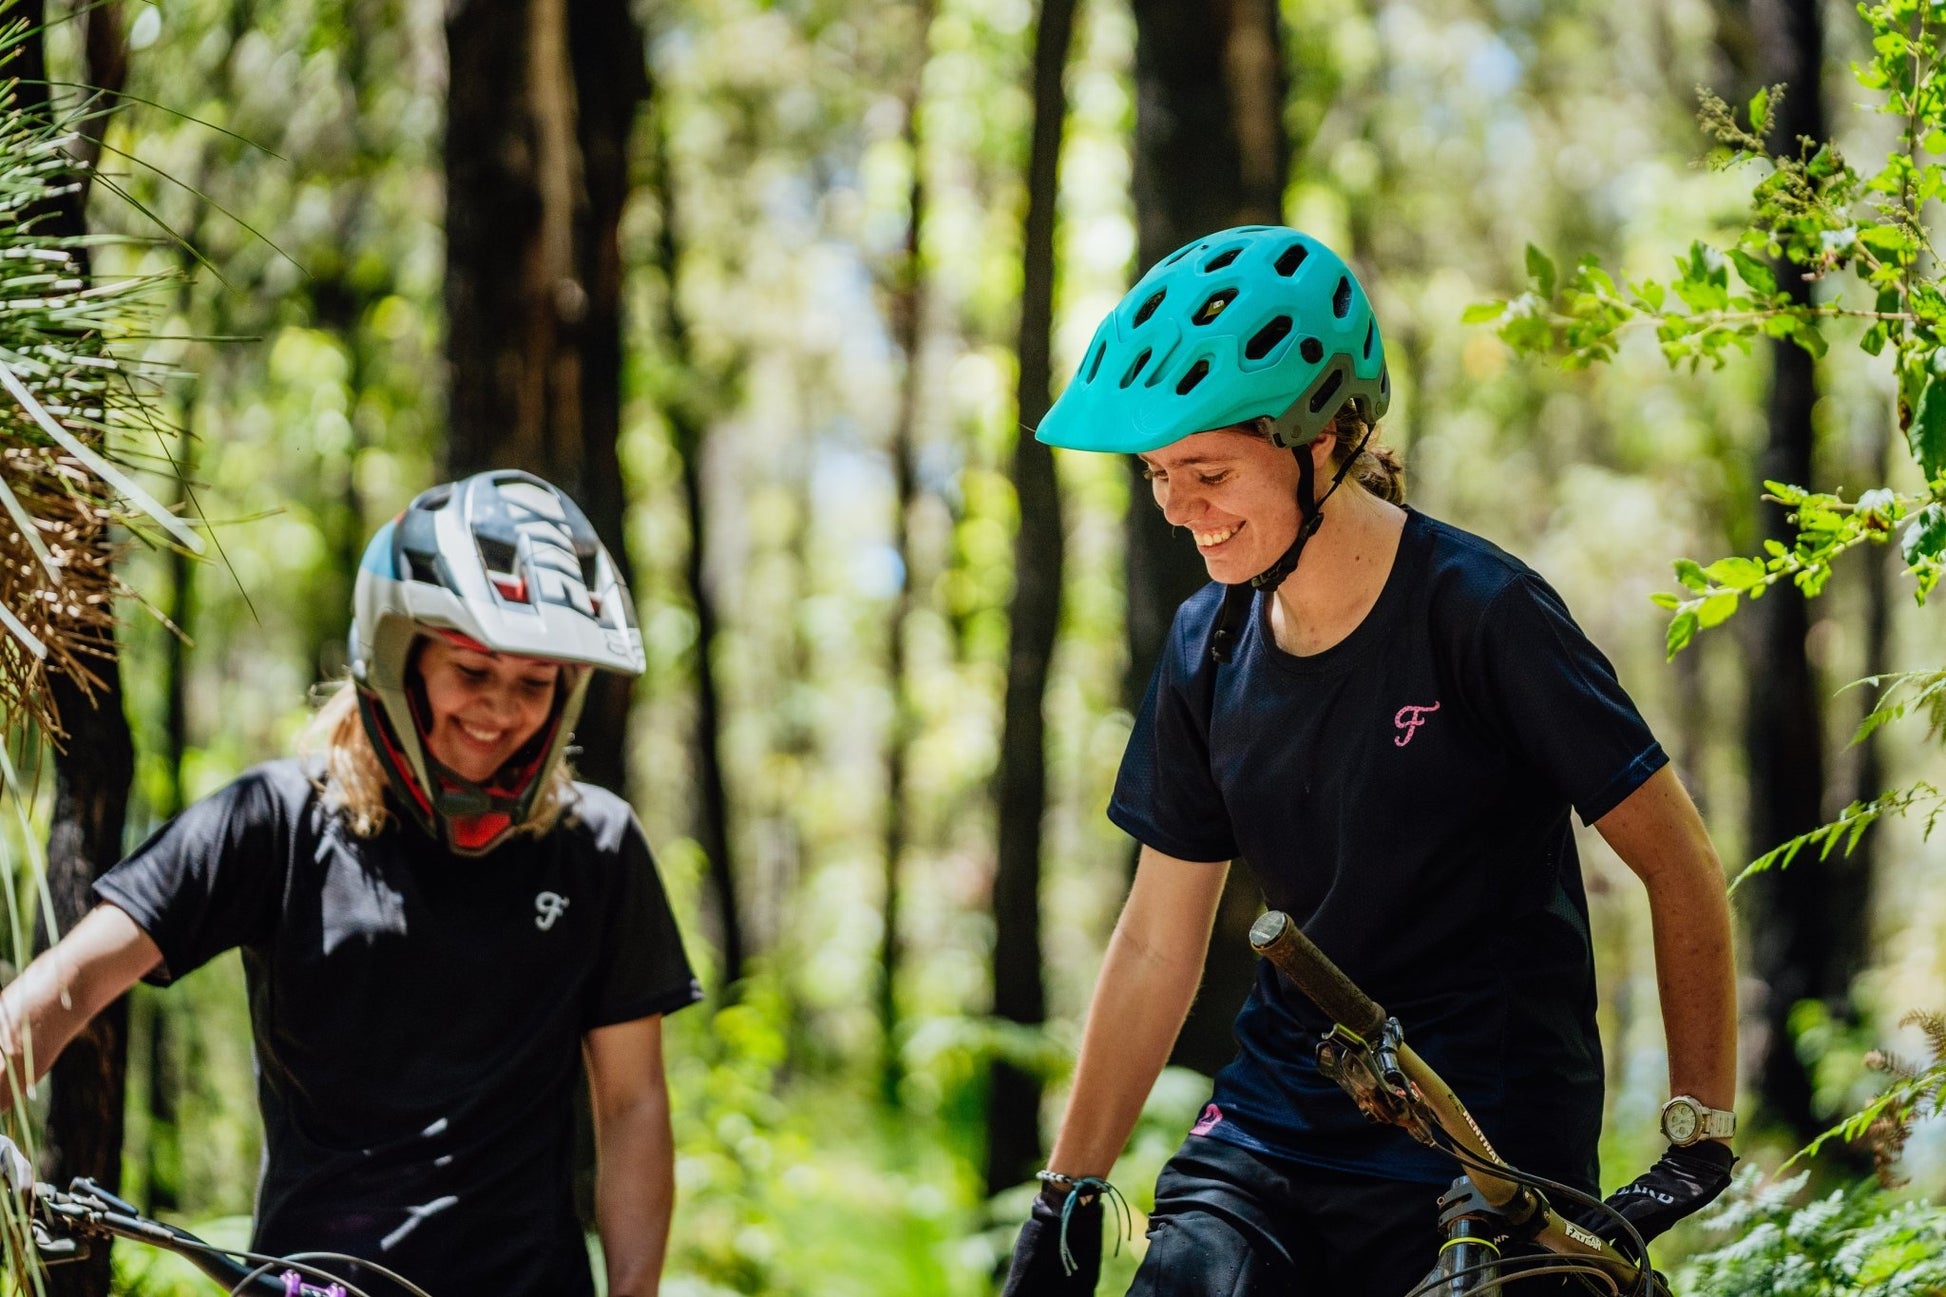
point(1038, 1269)
point(1683, 1181)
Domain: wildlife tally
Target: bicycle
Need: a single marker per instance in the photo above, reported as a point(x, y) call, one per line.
point(1492, 1203)
point(62, 1223)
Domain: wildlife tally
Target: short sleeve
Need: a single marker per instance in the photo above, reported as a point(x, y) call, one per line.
point(1558, 702)
point(1166, 795)
point(642, 970)
point(210, 879)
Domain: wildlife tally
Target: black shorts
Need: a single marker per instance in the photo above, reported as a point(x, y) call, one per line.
point(1232, 1223)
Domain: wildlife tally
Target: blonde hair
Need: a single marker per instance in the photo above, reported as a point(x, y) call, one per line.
point(353, 783)
point(1379, 468)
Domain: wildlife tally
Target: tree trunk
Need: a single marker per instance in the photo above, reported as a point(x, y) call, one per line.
point(93, 766)
point(1014, 1100)
point(907, 309)
point(1799, 940)
point(1210, 152)
point(543, 100)
point(688, 429)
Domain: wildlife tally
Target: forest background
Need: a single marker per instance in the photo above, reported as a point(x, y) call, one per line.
point(772, 288)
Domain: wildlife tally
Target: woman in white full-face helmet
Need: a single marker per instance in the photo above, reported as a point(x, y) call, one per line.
point(437, 923)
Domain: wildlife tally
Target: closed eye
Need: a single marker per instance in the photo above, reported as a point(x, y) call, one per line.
point(1213, 479)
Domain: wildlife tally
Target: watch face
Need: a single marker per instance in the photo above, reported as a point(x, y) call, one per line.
point(1679, 1123)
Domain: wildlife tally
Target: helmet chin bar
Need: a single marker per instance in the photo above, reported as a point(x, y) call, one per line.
point(1310, 509)
point(468, 817)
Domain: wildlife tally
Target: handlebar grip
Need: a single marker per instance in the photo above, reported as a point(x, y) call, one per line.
point(1278, 939)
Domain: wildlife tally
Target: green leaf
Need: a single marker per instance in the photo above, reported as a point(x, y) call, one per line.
point(1690, 573)
point(1682, 629)
point(1760, 277)
point(1759, 109)
point(1812, 341)
point(1483, 312)
point(1925, 535)
point(1664, 599)
point(1716, 609)
point(1927, 434)
point(1736, 573)
point(1541, 270)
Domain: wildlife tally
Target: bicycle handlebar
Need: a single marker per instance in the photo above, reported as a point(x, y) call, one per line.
point(85, 1210)
point(1276, 936)
point(1284, 944)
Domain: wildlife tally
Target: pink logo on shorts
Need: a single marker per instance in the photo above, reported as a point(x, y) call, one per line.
point(1211, 1118)
point(1410, 719)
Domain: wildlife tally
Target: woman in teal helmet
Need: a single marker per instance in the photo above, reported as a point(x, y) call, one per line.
point(1392, 732)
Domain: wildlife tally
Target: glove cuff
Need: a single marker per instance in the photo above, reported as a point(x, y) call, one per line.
point(1710, 1153)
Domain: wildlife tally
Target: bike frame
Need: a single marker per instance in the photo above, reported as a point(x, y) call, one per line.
point(1366, 1053)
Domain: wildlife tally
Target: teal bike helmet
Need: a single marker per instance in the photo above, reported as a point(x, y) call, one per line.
point(1256, 322)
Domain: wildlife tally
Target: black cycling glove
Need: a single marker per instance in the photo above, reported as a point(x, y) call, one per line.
point(1039, 1269)
point(1683, 1181)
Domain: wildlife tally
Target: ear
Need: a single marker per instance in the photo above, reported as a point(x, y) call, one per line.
point(1322, 448)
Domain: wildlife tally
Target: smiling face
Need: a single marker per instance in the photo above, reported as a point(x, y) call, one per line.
point(1234, 492)
point(484, 706)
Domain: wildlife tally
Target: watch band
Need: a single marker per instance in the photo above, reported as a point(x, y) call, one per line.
point(1711, 1123)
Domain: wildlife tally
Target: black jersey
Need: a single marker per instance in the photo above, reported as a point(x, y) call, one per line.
point(417, 1016)
point(1405, 795)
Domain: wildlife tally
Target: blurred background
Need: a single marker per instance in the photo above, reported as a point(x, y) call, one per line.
point(773, 289)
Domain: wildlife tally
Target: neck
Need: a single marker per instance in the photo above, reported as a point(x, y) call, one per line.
point(1341, 573)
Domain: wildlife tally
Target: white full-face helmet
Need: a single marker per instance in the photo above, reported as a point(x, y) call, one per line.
point(502, 562)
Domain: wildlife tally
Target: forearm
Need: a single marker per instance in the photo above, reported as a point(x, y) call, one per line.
point(635, 1194)
point(54, 997)
point(1658, 834)
point(1143, 995)
point(1696, 982)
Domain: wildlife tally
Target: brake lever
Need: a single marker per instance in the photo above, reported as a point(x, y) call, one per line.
point(54, 1250)
point(1373, 1078)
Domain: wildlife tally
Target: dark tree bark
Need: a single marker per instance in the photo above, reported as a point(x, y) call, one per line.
point(906, 308)
point(1019, 995)
point(94, 763)
point(543, 100)
point(1804, 934)
point(688, 428)
point(1210, 152)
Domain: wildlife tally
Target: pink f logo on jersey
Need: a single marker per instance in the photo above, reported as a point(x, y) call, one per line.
point(1410, 719)
point(1211, 1118)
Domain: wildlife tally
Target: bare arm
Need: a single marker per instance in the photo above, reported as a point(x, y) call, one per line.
point(55, 996)
point(1658, 834)
point(1148, 981)
point(635, 1158)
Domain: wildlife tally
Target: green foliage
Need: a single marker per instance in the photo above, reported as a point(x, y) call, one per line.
point(1853, 1242)
point(1819, 221)
point(1917, 1092)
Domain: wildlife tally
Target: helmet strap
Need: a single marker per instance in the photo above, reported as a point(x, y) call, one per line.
point(1310, 509)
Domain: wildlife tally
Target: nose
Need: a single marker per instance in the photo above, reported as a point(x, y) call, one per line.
point(1179, 503)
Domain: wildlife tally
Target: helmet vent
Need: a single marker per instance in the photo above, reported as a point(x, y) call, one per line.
point(1214, 306)
point(1267, 337)
point(1312, 350)
point(1221, 259)
point(1371, 336)
point(1341, 300)
point(1327, 390)
point(1148, 307)
point(1179, 254)
point(1094, 365)
point(1292, 258)
point(1135, 370)
point(1197, 373)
